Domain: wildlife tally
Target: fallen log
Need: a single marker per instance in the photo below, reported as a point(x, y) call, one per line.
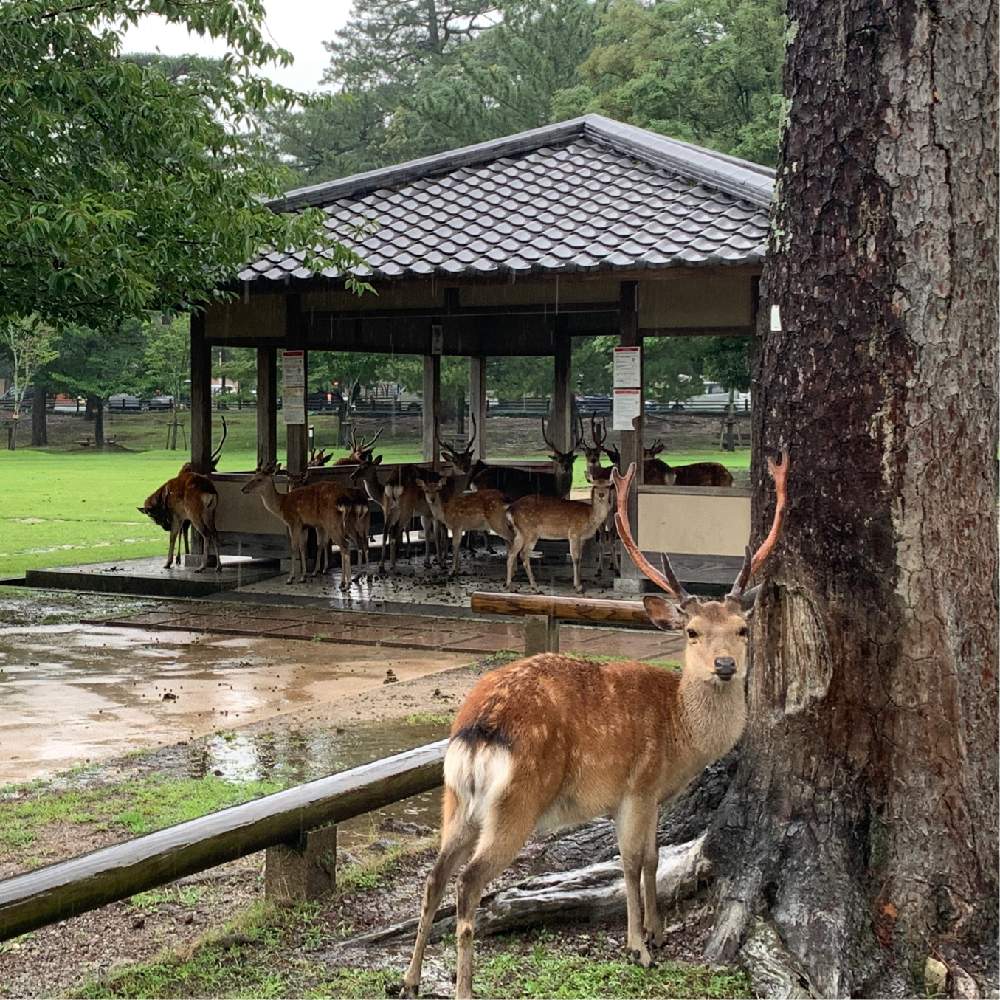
point(593, 893)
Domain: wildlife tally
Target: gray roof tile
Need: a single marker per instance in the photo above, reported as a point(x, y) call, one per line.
point(582, 195)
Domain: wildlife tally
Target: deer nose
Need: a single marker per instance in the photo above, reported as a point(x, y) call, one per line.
point(725, 667)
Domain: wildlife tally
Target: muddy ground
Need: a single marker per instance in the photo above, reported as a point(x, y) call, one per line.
point(209, 934)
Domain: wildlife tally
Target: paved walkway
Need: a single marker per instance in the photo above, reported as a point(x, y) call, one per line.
point(467, 635)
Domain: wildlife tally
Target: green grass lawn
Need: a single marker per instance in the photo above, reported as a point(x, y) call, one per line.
point(62, 507)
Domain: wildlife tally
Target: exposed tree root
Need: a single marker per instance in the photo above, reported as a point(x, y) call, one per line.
point(774, 972)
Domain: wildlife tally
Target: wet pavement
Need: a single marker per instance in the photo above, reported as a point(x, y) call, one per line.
point(74, 694)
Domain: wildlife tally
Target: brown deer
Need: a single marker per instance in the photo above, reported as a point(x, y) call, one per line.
point(187, 498)
point(532, 518)
point(355, 515)
point(597, 473)
point(301, 509)
point(563, 460)
point(361, 451)
point(551, 741)
point(459, 512)
point(401, 499)
point(656, 472)
point(461, 461)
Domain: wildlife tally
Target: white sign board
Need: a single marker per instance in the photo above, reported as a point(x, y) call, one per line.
point(628, 368)
point(626, 408)
point(293, 389)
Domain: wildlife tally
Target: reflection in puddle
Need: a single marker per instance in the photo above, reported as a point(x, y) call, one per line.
point(297, 755)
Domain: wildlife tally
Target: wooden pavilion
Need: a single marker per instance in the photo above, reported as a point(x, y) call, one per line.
point(510, 247)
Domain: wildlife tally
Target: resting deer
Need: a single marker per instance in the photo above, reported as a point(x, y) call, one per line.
point(532, 518)
point(597, 473)
point(187, 498)
point(361, 451)
point(459, 512)
point(656, 472)
point(301, 509)
point(551, 741)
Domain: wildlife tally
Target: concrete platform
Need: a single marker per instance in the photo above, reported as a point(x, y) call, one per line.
point(148, 577)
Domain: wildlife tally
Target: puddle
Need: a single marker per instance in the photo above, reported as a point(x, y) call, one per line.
point(73, 694)
point(295, 755)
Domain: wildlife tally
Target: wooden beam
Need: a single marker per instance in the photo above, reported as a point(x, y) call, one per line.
point(267, 406)
point(569, 609)
point(296, 435)
point(697, 331)
point(630, 579)
point(561, 416)
point(72, 887)
point(431, 408)
point(201, 396)
point(478, 404)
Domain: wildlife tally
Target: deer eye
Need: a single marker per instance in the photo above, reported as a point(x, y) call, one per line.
point(743, 632)
point(692, 634)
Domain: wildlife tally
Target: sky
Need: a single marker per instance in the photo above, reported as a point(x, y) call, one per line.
point(301, 26)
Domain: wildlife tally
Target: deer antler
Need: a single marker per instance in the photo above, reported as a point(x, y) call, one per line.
point(599, 438)
point(217, 454)
point(368, 445)
point(778, 472)
point(545, 437)
point(475, 431)
point(667, 580)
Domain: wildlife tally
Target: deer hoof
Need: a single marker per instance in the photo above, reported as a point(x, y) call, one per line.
point(655, 938)
point(408, 991)
point(641, 956)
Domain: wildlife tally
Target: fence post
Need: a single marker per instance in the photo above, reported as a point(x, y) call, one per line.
point(303, 870)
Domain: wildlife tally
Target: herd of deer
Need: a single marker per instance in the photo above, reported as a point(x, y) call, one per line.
point(516, 504)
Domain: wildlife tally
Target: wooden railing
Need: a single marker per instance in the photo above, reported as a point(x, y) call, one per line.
point(281, 821)
point(543, 614)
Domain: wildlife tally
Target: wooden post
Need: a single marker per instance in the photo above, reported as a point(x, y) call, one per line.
point(561, 417)
point(267, 406)
point(431, 407)
point(478, 404)
point(541, 634)
point(630, 579)
point(296, 445)
point(201, 396)
point(302, 870)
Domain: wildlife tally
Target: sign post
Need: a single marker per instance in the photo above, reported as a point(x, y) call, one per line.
point(293, 406)
point(627, 387)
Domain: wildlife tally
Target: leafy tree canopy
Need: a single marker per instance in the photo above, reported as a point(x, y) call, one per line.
point(129, 184)
point(706, 71)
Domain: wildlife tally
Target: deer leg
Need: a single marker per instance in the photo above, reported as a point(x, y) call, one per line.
point(632, 823)
point(170, 550)
point(498, 846)
point(344, 545)
point(457, 845)
point(430, 528)
point(526, 549)
point(652, 926)
point(513, 550)
point(575, 548)
point(319, 566)
point(456, 546)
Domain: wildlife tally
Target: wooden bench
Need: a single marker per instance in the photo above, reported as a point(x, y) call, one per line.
point(543, 614)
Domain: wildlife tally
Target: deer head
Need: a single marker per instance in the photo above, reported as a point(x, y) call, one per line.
point(653, 450)
point(564, 459)
point(360, 451)
point(461, 460)
point(262, 479)
point(716, 631)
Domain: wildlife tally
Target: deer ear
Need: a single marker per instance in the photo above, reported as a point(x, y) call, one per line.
point(377, 460)
point(664, 614)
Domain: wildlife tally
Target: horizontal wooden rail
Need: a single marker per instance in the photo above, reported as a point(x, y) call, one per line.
point(569, 609)
point(71, 887)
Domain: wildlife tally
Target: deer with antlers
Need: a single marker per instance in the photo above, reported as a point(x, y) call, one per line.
point(189, 498)
point(361, 451)
point(306, 507)
point(551, 741)
point(535, 517)
point(597, 473)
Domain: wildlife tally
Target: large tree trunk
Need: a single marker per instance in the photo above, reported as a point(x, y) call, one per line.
point(863, 817)
point(39, 425)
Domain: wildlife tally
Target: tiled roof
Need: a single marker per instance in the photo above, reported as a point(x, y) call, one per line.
point(586, 195)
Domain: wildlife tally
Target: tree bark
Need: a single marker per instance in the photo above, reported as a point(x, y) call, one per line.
point(39, 424)
point(862, 821)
